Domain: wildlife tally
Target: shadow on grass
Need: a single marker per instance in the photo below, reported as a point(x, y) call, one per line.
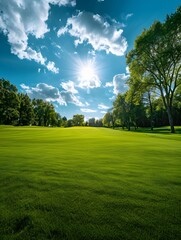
point(160, 130)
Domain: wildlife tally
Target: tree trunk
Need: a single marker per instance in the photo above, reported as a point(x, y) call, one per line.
point(170, 118)
point(168, 106)
point(151, 111)
point(129, 128)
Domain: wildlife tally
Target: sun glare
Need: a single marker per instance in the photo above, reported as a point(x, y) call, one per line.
point(87, 73)
point(87, 70)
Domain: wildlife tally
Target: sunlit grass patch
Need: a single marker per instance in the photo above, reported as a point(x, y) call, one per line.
point(89, 183)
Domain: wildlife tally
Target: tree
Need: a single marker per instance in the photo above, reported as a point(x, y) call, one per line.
point(49, 115)
point(64, 121)
point(98, 123)
point(122, 110)
point(70, 123)
point(26, 113)
point(9, 103)
point(107, 120)
point(157, 54)
point(142, 94)
point(78, 120)
point(92, 122)
point(45, 114)
point(59, 120)
point(39, 110)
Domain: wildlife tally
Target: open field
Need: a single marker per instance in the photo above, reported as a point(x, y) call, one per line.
point(89, 184)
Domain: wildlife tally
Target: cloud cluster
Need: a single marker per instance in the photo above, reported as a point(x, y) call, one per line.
point(69, 86)
point(88, 110)
point(119, 83)
point(102, 106)
point(101, 34)
point(88, 82)
point(52, 94)
point(21, 18)
point(71, 98)
point(51, 67)
point(45, 92)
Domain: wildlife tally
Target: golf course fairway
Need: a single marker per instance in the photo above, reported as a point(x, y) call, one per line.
point(87, 183)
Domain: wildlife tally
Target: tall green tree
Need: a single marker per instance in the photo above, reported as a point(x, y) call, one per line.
point(107, 119)
point(143, 94)
point(26, 112)
point(157, 54)
point(9, 103)
point(78, 120)
point(92, 122)
point(45, 114)
point(39, 111)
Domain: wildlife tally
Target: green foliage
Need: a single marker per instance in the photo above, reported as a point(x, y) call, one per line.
point(89, 183)
point(9, 103)
point(92, 122)
point(45, 114)
point(78, 120)
point(95, 123)
point(156, 57)
point(18, 109)
point(107, 120)
point(26, 111)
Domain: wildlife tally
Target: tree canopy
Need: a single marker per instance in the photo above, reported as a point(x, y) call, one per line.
point(156, 59)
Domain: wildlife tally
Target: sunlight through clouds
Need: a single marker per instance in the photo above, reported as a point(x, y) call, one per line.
point(87, 75)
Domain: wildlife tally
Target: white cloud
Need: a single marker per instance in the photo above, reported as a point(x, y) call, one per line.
point(87, 82)
point(87, 110)
point(112, 98)
point(21, 18)
point(62, 31)
point(52, 94)
point(119, 83)
point(45, 92)
point(129, 15)
point(87, 104)
point(51, 67)
point(127, 70)
point(23, 86)
point(102, 106)
point(56, 45)
point(109, 84)
point(65, 2)
point(69, 86)
point(103, 112)
point(101, 34)
point(71, 98)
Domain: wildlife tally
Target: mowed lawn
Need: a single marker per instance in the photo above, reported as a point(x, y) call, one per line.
point(89, 184)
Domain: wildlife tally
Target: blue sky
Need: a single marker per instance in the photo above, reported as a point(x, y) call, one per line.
point(72, 52)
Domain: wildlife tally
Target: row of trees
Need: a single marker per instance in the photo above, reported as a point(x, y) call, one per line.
point(146, 111)
point(18, 109)
point(154, 95)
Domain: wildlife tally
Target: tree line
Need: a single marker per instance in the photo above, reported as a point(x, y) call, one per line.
point(19, 110)
point(154, 95)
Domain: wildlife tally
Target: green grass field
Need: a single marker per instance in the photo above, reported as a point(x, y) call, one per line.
point(89, 184)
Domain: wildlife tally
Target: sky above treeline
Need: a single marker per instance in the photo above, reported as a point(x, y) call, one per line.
point(72, 52)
